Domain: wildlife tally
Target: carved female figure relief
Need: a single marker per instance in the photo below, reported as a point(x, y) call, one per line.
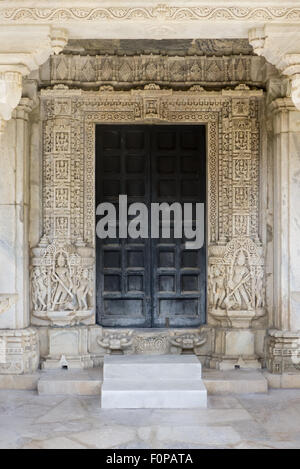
point(84, 289)
point(218, 291)
point(39, 292)
point(238, 295)
point(63, 296)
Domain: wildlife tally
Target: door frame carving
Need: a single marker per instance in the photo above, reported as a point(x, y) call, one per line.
point(232, 120)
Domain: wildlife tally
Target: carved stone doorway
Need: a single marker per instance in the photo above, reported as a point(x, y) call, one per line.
point(150, 282)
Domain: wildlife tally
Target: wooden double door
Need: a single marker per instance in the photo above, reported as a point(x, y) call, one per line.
point(150, 282)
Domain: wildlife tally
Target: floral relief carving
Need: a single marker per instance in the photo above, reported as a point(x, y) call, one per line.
point(151, 13)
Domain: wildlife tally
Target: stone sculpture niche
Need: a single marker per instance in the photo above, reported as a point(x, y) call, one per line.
point(62, 284)
point(236, 286)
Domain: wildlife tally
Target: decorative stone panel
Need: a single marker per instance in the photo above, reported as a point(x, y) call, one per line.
point(19, 351)
point(232, 118)
point(62, 280)
point(236, 283)
point(165, 70)
point(283, 351)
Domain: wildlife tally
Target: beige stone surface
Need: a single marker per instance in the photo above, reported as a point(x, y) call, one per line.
point(236, 382)
point(26, 382)
point(32, 421)
point(83, 382)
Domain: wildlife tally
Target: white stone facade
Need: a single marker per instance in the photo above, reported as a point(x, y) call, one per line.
point(47, 187)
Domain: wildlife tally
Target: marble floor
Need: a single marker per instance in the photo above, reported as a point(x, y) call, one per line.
point(32, 421)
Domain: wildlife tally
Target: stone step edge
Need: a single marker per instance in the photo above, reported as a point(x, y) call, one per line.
point(93, 387)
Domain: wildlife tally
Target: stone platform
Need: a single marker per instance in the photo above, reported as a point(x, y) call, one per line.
point(152, 381)
point(89, 382)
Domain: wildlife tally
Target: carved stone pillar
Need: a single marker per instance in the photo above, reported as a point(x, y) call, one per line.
point(236, 276)
point(18, 342)
point(283, 344)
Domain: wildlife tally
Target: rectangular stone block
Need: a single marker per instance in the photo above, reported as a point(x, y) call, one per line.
point(169, 394)
point(19, 351)
point(152, 381)
point(152, 367)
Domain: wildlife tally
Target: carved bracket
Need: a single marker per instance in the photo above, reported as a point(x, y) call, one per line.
point(116, 342)
point(279, 44)
point(22, 50)
point(187, 342)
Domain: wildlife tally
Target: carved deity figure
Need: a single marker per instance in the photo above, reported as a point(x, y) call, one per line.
point(83, 290)
point(218, 291)
point(39, 291)
point(237, 284)
point(63, 295)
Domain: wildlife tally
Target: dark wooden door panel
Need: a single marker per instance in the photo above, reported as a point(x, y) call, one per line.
point(123, 265)
point(178, 175)
point(150, 282)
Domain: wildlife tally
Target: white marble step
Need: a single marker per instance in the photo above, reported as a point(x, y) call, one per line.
point(152, 367)
point(152, 381)
point(180, 394)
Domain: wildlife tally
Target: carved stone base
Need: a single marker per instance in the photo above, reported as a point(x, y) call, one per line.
point(69, 362)
point(232, 363)
point(19, 351)
point(68, 347)
point(240, 319)
point(152, 341)
point(85, 346)
point(283, 351)
point(234, 349)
